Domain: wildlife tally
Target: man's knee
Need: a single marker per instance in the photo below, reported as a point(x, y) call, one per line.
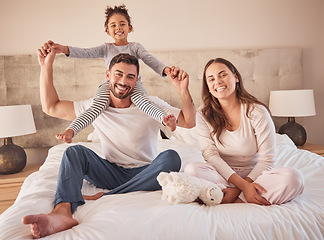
point(72, 153)
point(72, 150)
point(171, 160)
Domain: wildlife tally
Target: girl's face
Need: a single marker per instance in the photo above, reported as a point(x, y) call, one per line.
point(118, 28)
point(221, 81)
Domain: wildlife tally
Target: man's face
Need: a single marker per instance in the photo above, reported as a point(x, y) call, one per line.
point(122, 79)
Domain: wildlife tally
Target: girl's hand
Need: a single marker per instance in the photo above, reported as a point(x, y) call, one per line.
point(167, 71)
point(230, 194)
point(57, 47)
point(252, 194)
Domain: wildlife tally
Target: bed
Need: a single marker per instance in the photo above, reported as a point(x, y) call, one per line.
point(143, 215)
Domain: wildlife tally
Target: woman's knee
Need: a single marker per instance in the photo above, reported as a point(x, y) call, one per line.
point(293, 179)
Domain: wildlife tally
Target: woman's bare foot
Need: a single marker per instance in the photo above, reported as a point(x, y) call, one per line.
point(66, 136)
point(170, 121)
point(46, 224)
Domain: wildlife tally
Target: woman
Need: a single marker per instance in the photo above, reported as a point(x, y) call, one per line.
point(237, 138)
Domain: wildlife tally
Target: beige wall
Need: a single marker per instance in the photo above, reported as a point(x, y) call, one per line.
point(181, 25)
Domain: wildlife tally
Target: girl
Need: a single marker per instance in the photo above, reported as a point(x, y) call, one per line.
point(237, 138)
point(118, 26)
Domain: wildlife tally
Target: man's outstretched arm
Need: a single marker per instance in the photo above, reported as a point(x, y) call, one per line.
point(51, 104)
point(180, 80)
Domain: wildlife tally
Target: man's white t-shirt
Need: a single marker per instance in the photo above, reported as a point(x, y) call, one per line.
point(128, 136)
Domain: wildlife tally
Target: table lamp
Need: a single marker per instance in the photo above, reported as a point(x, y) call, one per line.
point(291, 104)
point(14, 121)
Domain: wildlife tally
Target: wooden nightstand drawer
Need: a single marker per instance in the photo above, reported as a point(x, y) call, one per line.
point(313, 148)
point(9, 191)
point(5, 204)
point(10, 186)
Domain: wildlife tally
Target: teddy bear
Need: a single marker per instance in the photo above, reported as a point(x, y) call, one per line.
point(178, 187)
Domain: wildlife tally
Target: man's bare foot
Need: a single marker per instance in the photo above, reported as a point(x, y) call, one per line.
point(66, 136)
point(93, 197)
point(46, 224)
point(170, 121)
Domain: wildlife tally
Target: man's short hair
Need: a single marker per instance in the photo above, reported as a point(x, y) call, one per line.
point(125, 58)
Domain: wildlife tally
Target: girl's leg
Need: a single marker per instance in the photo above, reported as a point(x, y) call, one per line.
point(142, 101)
point(100, 102)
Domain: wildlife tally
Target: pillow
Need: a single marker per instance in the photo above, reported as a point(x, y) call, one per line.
point(93, 136)
point(185, 135)
point(283, 139)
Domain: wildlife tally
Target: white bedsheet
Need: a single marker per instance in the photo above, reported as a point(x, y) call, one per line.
point(143, 215)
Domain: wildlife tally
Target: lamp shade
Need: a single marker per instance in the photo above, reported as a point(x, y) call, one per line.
point(16, 121)
point(292, 103)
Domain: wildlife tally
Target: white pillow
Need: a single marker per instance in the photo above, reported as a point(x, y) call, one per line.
point(185, 135)
point(283, 139)
point(93, 136)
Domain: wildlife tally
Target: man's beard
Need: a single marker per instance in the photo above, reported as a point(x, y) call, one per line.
point(120, 95)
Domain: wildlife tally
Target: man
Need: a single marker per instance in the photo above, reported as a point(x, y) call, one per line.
point(128, 138)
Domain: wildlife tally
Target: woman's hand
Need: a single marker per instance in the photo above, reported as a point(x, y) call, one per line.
point(252, 191)
point(230, 194)
point(252, 194)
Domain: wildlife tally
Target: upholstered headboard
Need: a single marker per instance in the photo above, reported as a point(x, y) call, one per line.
point(262, 70)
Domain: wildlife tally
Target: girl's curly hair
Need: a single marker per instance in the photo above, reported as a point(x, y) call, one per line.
point(117, 9)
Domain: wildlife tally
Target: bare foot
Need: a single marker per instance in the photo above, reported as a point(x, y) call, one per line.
point(170, 121)
point(42, 225)
point(66, 136)
point(93, 197)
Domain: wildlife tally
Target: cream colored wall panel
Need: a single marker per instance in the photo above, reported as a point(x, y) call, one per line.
point(21, 71)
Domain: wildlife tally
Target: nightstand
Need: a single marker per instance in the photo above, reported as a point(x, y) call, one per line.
point(313, 148)
point(10, 185)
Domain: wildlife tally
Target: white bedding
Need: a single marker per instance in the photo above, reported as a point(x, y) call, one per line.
point(143, 215)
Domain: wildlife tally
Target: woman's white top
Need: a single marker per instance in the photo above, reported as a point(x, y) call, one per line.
point(252, 145)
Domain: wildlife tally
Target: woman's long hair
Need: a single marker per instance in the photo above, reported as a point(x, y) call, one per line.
point(212, 110)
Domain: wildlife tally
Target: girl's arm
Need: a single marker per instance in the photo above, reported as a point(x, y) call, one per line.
point(151, 61)
point(95, 52)
point(75, 52)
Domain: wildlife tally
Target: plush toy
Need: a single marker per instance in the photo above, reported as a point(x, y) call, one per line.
point(178, 187)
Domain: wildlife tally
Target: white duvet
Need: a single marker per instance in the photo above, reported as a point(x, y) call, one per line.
point(143, 215)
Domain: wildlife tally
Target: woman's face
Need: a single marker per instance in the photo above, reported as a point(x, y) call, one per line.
point(221, 81)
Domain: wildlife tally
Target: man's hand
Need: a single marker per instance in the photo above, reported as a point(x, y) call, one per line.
point(46, 56)
point(179, 79)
